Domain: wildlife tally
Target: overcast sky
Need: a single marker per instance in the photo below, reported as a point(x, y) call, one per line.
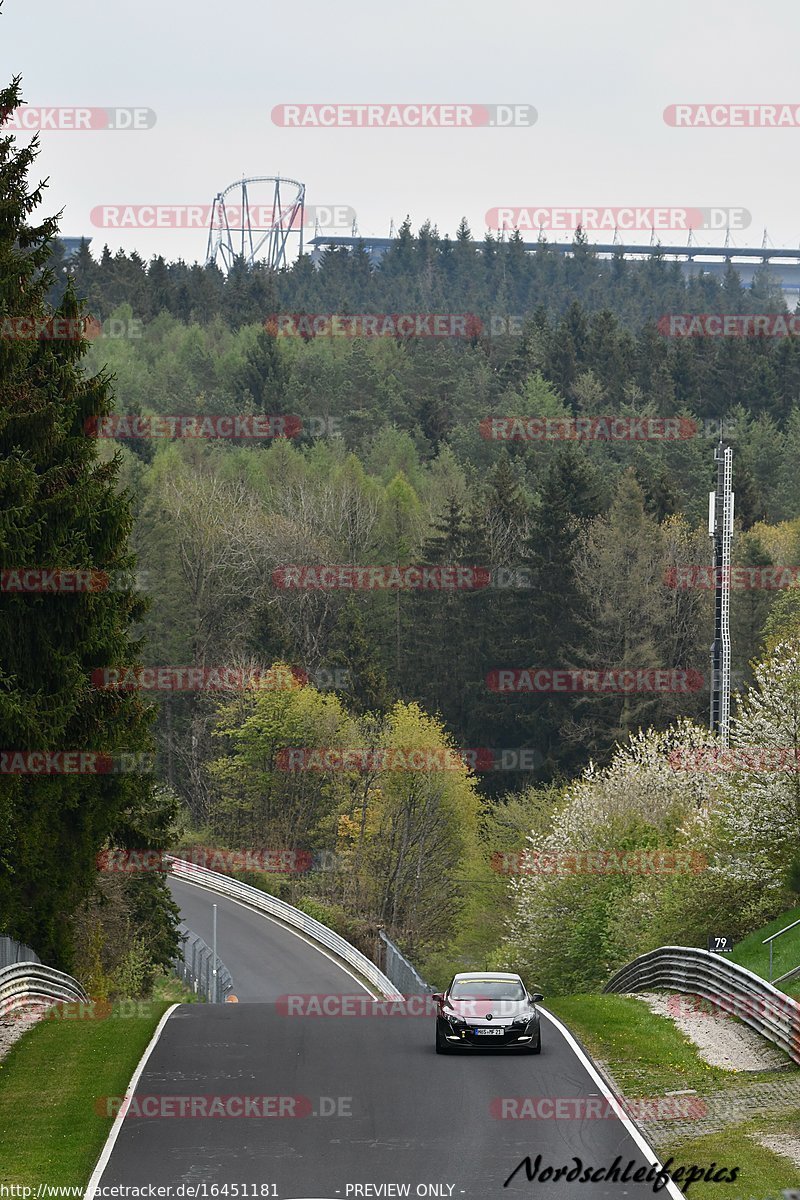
point(599, 76)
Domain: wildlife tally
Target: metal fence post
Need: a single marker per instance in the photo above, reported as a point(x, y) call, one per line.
point(214, 997)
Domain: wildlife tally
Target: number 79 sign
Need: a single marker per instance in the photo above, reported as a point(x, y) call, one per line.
point(720, 945)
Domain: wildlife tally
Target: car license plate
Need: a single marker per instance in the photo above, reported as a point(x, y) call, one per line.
point(494, 1032)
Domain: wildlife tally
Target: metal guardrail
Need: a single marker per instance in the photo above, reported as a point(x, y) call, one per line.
point(769, 940)
point(401, 972)
point(724, 984)
point(793, 974)
point(289, 915)
point(12, 952)
point(30, 985)
point(195, 966)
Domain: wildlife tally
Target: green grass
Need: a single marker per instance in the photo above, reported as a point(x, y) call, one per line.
point(647, 1056)
point(174, 991)
point(762, 1173)
point(786, 950)
point(50, 1083)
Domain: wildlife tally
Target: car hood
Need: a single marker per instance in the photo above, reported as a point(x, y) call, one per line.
point(480, 1010)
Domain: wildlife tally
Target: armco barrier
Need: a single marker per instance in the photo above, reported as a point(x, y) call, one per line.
point(290, 916)
point(29, 985)
point(793, 974)
point(724, 984)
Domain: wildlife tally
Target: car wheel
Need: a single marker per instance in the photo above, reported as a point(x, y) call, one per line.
point(442, 1046)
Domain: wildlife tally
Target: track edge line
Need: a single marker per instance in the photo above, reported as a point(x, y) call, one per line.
point(113, 1133)
point(633, 1129)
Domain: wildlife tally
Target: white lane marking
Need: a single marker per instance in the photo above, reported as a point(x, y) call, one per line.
point(295, 932)
point(113, 1134)
point(635, 1133)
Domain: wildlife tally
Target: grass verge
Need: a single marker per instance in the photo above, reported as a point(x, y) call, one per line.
point(761, 1172)
point(752, 954)
point(174, 991)
point(51, 1083)
point(648, 1056)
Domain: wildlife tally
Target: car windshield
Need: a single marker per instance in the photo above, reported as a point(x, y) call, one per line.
point(487, 989)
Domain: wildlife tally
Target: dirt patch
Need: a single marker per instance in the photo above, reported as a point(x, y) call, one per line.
point(13, 1025)
point(787, 1144)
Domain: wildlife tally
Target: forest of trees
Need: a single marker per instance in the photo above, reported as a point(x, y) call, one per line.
point(388, 463)
point(580, 539)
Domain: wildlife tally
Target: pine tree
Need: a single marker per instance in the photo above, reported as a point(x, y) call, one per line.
point(263, 374)
point(442, 621)
point(59, 508)
point(351, 649)
point(549, 629)
point(629, 619)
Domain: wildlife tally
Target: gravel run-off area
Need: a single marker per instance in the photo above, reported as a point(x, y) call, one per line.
point(722, 1041)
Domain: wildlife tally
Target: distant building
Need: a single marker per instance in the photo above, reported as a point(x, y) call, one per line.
point(72, 245)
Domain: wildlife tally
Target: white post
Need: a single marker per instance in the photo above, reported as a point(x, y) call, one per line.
point(214, 950)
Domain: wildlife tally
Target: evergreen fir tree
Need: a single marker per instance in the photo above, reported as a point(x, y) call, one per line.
point(59, 509)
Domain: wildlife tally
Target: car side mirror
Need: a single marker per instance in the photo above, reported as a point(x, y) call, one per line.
point(438, 997)
point(535, 997)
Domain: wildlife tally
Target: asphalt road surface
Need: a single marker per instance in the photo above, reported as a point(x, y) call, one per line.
point(346, 1106)
point(265, 959)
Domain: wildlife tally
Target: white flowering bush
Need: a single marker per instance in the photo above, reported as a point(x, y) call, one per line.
point(759, 803)
point(586, 887)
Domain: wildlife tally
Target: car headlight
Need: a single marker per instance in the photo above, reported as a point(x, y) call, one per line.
point(521, 1022)
point(455, 1020)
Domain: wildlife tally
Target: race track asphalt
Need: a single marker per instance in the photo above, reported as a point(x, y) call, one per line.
point(358, 1102)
